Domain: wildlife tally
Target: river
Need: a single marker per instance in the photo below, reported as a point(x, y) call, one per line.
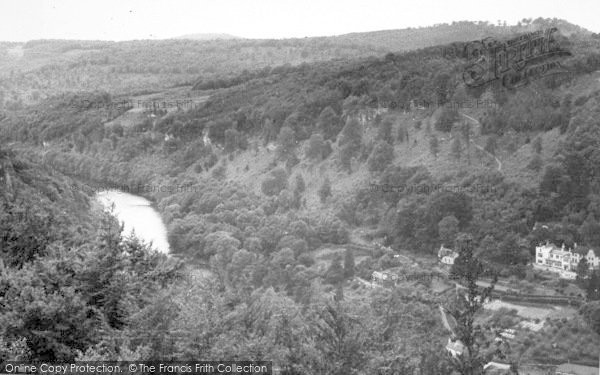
point(137, 214)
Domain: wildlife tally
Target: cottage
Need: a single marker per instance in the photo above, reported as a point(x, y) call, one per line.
point(455, 347)
point(446, 255)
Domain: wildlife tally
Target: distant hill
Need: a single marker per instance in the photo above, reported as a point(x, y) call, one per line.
point(462, 31)
point(207, 36)
point(42, 68)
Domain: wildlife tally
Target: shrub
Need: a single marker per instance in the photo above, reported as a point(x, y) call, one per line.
point(275, 183)
point(536, 163)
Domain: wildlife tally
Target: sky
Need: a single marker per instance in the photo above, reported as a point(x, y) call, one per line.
point(22, 20)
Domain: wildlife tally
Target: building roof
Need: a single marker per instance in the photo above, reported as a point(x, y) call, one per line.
point(581, 250)
point(584, 251)
point(456, 346)
point(444, 251)
point(570, 368)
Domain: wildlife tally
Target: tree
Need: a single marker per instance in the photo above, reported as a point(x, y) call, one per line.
point(339, 339)
point(335, 272)
point(434, 146)
point(286, 141)
point(231, 140)
point(590, 230)
point(593, 286)
point(491, 145)
point(384, 133)
point(325, 190)
point(381, 156)
point(328, 123)
point(536, 163)
point(351, 135)
point(402, 133)
point(456, 149)
point(591, 314)
point(448, 229)
point(299, 190)
point(316, 143)
point(300, 184)
point(348, 264)
point(346, 154)
point(582, 270)
point(220, 172)
point(537, 145)
point(275, 182)
point(478, 349)
point(447, 118)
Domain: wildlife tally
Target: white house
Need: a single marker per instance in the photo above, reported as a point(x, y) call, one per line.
point(563, 261)
point(455, 347)
point(446, 255)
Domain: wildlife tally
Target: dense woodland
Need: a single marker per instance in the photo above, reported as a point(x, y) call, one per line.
point(62, 260)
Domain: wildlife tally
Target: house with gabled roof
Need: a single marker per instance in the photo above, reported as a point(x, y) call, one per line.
point(552, 258)
point(446, 255)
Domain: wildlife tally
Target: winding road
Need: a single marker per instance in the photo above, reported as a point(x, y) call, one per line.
point(480, 147)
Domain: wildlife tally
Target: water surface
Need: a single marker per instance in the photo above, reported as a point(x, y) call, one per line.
point(137, 214)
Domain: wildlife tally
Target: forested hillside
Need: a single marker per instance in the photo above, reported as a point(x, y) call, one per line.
point(41, 68)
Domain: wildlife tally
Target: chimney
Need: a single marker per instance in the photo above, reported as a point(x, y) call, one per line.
point(563, 246)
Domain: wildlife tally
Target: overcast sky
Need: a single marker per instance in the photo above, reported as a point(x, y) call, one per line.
point(22, 20)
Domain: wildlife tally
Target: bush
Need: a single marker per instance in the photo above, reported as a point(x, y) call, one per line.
point(306, 260)
point(315, 147)
point(447, 118)
point(275, 183)
point(536, 163)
